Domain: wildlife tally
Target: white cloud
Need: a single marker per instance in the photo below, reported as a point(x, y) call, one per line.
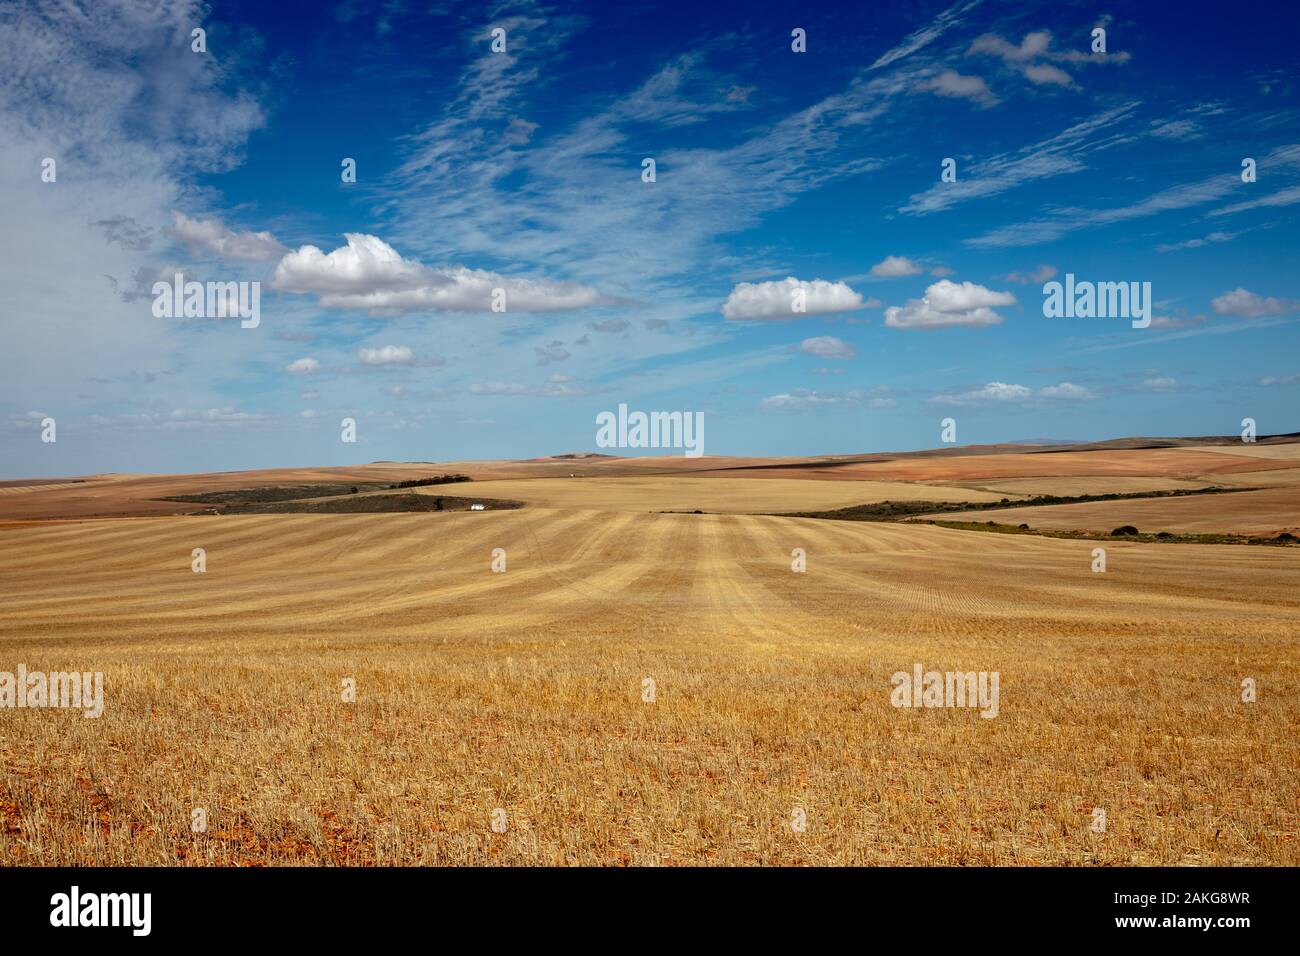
point(946, 303)
point(1176, 322)
point(1002, 393)
point(1217, 236)
point(775, 300)
point(181, 419)
point(1247, 304)
point(926, 34)
point(1061, 222)
point(135, 121)
point(1175, 129)
point(991, 393)
point(212, 235)
point(1037, 277)
point(564, 203)
point(387, 355)
point(553, 352)
point(302, 366)
point(1283, 197)
point(1160, 384)
point(893, 266)
point(1033, 45)
point(1057, 155)
point(952, 83)
point(1280, 379)
point(1036, 46)
point(684, 92)
point(557, 386)
point(1066, 390)
point(1041, 73)
point(802, 399)
point(827, 346)
point(370, 274)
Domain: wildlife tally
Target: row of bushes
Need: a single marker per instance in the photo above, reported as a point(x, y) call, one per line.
point(438, 480)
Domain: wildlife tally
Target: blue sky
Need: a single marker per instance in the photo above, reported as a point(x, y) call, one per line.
point(522, 170)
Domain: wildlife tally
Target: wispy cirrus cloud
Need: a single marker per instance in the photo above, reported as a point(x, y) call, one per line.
point(1285, 159)
point(927, 34)
point(1209, 239)
point(1062, 153)
point(110, 92)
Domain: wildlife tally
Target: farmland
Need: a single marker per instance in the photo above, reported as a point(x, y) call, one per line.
point(525, 690)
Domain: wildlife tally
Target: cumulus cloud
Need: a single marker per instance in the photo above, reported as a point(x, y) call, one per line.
point(1162, 384)
point(1241, 302)
point(370, 274)
point(1066, 390)
point(947, 303)
point(1003, 393)
point(827, 346)
point(776, 300)
point(1033, 45)
point(893, 266)
point(302, 366)
point(993, 392)
point(213, 236)
point(1041, 73)
point(1029, 56)
point(387, 355)
point(952, 83)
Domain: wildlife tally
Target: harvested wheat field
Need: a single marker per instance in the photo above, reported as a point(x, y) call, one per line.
point(716, 494)
point(641, 688)
point(1244, 512)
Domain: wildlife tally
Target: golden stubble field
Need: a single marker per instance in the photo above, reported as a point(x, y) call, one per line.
point(524, 690)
